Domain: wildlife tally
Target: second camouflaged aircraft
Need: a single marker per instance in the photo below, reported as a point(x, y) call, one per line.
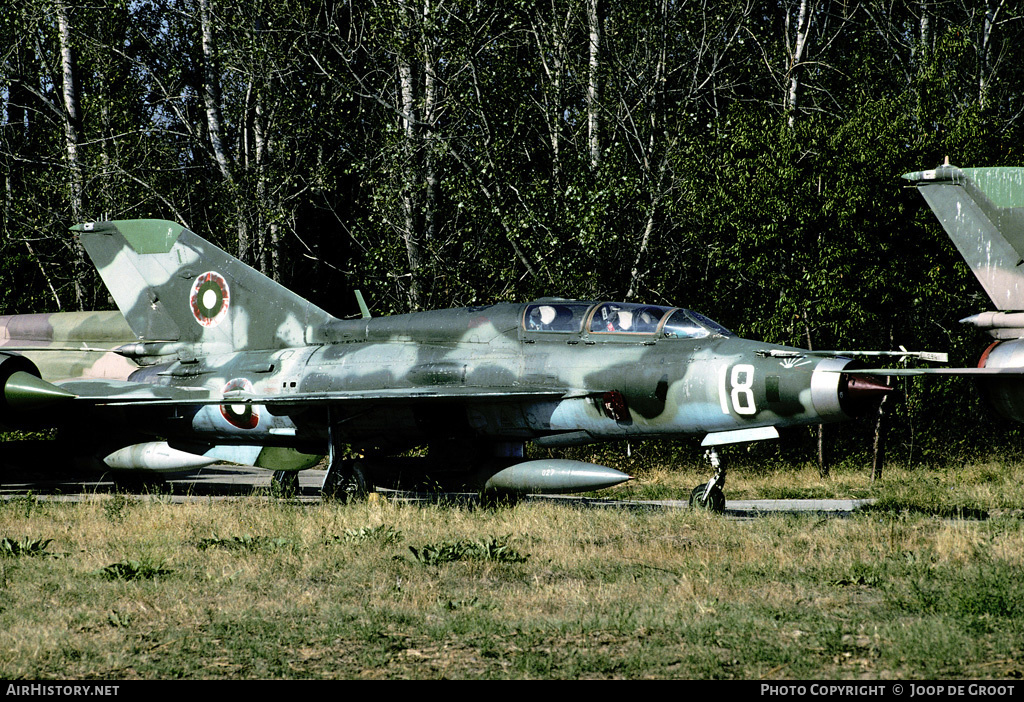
point(232, 365)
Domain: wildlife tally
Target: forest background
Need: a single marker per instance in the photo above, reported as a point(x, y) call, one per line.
point(738, 157)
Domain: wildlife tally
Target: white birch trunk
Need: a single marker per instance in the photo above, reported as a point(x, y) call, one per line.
point(803, 24)
point(70, 114)
point(593, 84)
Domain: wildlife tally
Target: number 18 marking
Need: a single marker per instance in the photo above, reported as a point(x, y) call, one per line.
point(742, 395)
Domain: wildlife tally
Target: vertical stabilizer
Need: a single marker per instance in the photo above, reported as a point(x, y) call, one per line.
point(982, 211)
point(171, 285)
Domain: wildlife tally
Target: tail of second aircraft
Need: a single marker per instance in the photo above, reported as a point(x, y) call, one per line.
point(982, 211)
point(172, 286)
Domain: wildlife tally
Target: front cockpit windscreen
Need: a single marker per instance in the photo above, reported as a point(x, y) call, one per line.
point(686, 324)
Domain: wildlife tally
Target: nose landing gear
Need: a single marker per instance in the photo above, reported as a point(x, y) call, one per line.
point(709, 495)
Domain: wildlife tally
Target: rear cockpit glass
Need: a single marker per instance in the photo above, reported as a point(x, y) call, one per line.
point(685, 324)
point(625, 318)
point(555, 317)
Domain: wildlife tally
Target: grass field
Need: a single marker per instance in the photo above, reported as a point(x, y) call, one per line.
point(926, 584)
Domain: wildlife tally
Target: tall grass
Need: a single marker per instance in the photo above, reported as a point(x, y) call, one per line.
point(256, 588)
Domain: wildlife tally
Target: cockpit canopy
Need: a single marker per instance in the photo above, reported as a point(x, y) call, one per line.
point(619, 318)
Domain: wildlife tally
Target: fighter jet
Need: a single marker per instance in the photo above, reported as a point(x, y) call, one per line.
point(65, 345)
point(233, 366)
point(982, 211)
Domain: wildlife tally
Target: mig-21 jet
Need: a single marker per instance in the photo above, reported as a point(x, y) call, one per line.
point(982, 211)
point(230, 365)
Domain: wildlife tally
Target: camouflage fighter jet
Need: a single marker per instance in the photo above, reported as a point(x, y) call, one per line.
point(982, 211)
point(231, 364)
point(65, 345)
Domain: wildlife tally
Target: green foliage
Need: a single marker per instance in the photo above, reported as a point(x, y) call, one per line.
point(439, 155)
point(383, 534)
point(134, 569)
point(245, 542)
point(11, 548)
point(984, 594)
point(492, 549)
point(117, 507)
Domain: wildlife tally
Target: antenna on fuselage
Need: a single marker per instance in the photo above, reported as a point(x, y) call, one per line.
point(362, 305)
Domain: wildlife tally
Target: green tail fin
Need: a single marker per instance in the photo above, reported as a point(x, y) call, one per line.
point(171, 285)
point(982, 211)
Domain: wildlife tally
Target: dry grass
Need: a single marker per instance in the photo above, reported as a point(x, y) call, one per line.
point(258, 588)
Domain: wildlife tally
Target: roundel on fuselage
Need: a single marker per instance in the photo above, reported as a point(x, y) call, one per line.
point(243, 416)
point(210, 298)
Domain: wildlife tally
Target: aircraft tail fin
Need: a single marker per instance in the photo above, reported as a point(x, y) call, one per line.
point(982, 211)
point(171, 285)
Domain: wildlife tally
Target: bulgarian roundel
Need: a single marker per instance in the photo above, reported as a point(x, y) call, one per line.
point(209, 299)
point(242, 416)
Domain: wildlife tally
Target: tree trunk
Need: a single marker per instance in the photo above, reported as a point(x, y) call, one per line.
point(429, 106)
point(823, 468)
point(925, 27)
point(593, 84)
point(878, 450)
point(986, 68)
point(803, 24)
point(878, 447)
point(656, 181)
point(212, 106)
point(266, 232)
point(211, 93)
point(412, 244)
point(71, 122)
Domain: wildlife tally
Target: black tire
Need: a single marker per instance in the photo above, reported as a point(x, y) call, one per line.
point(349, 482)
point(285, 483)
point(715, 501)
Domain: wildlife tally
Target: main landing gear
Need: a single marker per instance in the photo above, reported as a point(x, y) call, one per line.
point(709, 495)
point(285, 483)
point(347, 479)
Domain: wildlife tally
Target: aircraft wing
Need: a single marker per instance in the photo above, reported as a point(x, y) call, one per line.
point(935, 356)
point(122, 393)
point(415, 394)
point(933, 371)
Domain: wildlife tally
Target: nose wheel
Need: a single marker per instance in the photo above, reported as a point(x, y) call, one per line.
point(709, 495)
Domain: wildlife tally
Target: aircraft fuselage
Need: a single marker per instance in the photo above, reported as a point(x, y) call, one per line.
point(508, 382)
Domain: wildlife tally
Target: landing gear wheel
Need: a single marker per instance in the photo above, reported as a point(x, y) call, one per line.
point(285, 483)
point(715, 501)
point(347, 481)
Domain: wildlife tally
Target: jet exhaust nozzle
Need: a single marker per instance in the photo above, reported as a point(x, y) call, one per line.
point(859, 392)
point(839, 390)
point(25, 391)
point(868, 387)
point(24, 395)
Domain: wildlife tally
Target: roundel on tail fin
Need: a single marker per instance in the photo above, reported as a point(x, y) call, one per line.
point(209, 298)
